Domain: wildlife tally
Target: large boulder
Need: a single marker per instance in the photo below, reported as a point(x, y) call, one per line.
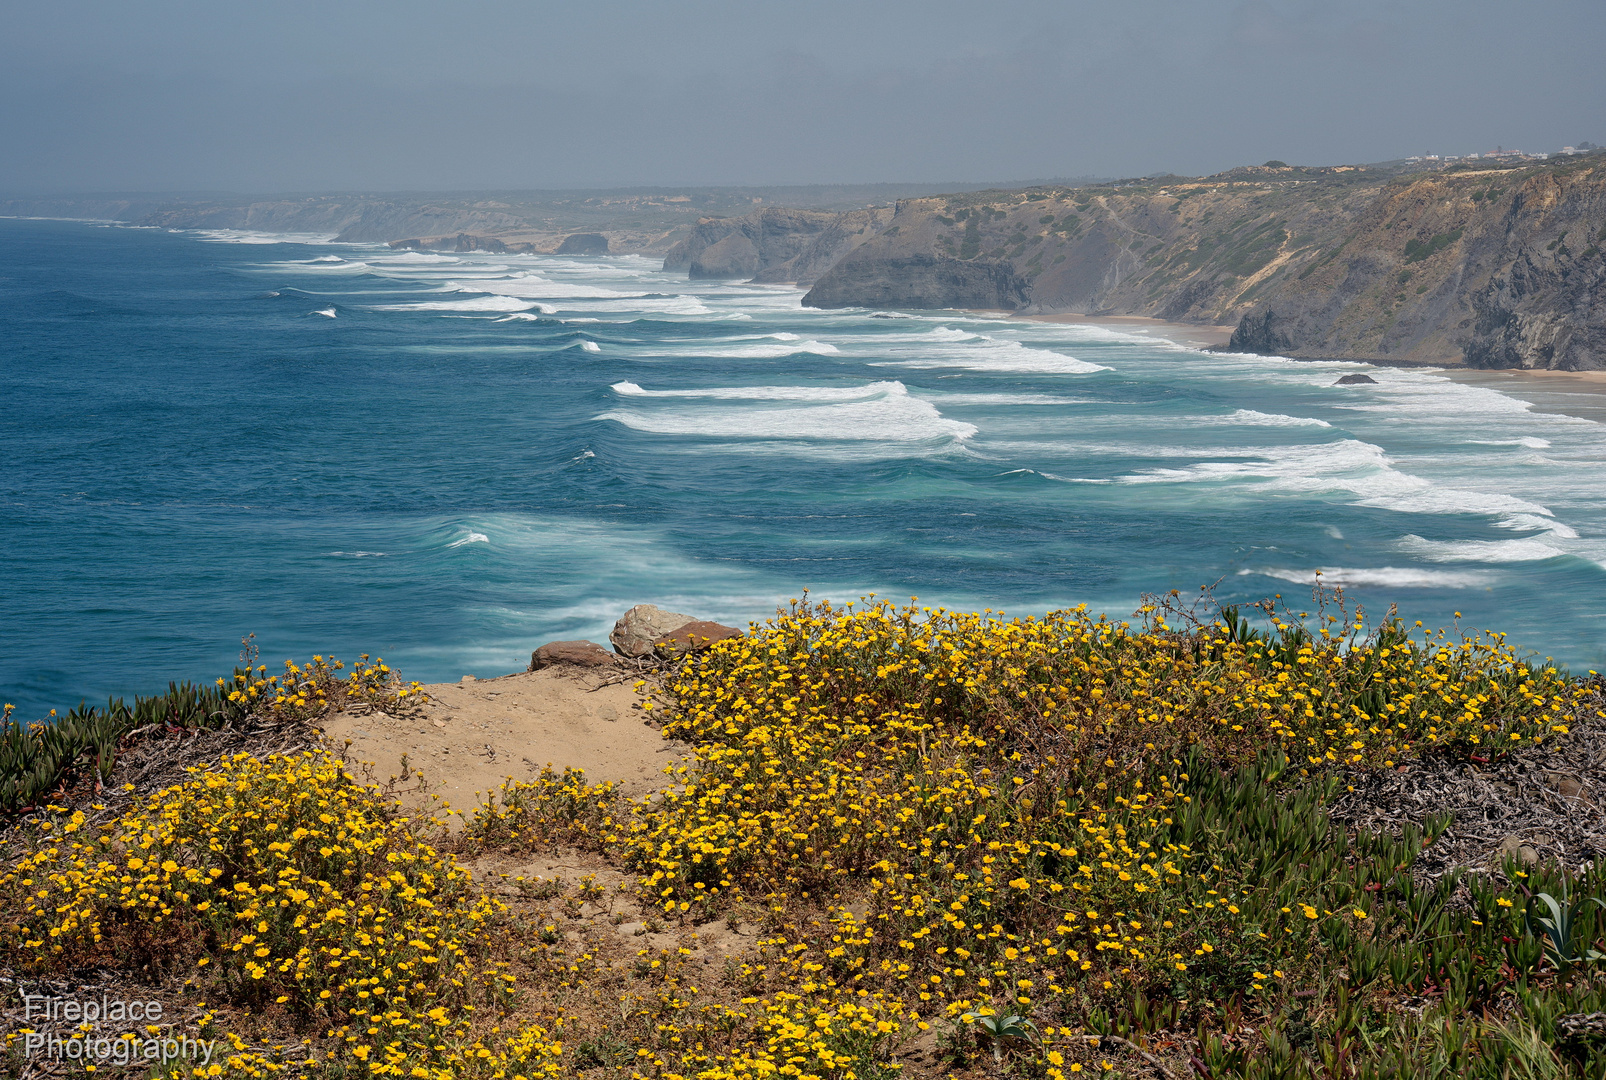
point(641, 626)
point(577, 653)
point(693, 637)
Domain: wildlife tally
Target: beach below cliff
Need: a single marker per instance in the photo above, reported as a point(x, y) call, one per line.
point(1194, 335)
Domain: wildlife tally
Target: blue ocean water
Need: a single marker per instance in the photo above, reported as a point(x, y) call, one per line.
point(449, 459)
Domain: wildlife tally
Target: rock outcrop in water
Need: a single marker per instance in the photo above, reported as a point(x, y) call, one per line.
point(1259, 333)
point(773, 244)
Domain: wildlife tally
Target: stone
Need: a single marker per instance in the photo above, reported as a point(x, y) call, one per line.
point(638, 628)
point(469, 679)
point(577, 653)
point(1355, 380)
point(1568, 786)
point(694, 637)
point(1513, 848)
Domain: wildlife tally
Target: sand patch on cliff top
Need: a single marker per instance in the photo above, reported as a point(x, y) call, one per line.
point(472, 737)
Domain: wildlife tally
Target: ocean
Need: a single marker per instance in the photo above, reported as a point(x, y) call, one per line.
point(446, 460)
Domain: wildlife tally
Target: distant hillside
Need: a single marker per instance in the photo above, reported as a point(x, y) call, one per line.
point(774, 244)
point(630, 219)
point(1492, 267)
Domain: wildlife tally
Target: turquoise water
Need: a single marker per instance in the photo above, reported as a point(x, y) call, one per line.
point(447, 460)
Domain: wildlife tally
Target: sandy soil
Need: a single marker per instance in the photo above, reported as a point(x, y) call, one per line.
point(1197, 335)
point(474, 735)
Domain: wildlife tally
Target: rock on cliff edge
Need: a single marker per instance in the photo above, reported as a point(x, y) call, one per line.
point(646, 629)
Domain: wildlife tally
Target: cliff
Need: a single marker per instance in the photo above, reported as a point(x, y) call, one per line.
point(1490, 267)
point(774, 244)
point(1494, 269)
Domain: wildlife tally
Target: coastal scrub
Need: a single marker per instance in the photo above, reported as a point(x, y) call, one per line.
point(909, 841)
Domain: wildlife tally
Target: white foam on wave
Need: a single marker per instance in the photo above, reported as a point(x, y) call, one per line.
point(327, 265)
point(1252, 418)
point(1530, 442)
point(750, 348)
point(590, 346)
point(327, 312)
point(1359, 468)
point(880, 413)
point(1056, 477)
point(1388, 577)
point(413, 258)
point(471, 538)
point(537, 287)
point(358, 554)
point(250, 236)
point(1537, 523)
point(1485, 551)
point(773, 352)
point(985, 353)
point(1424, 396)
point(656, 305)
point(519, 316)
point(477, 303)
point(768, 393)
point(1010, 399)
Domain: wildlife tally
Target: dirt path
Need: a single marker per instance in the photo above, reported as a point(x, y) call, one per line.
point(474, 735)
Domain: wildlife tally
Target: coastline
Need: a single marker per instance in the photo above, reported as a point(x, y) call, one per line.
point(1580, 394)
point(1193, 335)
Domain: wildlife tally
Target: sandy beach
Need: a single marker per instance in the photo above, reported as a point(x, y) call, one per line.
point(1197, 335)
point(1570, 392)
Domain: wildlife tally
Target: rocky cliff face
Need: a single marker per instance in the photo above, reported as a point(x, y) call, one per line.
point(774, 244)
point(1496, 267)
point(918, 280)
point(1489, 268)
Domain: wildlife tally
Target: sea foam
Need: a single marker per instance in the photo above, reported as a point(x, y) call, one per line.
point(1387, 577)
point(880, 412)
point(476, 303)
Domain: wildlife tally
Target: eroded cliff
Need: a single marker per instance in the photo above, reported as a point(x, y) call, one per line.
point(1492, 267)
point(774, 244)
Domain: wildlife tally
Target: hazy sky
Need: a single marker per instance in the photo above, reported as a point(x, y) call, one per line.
point(405, 94)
